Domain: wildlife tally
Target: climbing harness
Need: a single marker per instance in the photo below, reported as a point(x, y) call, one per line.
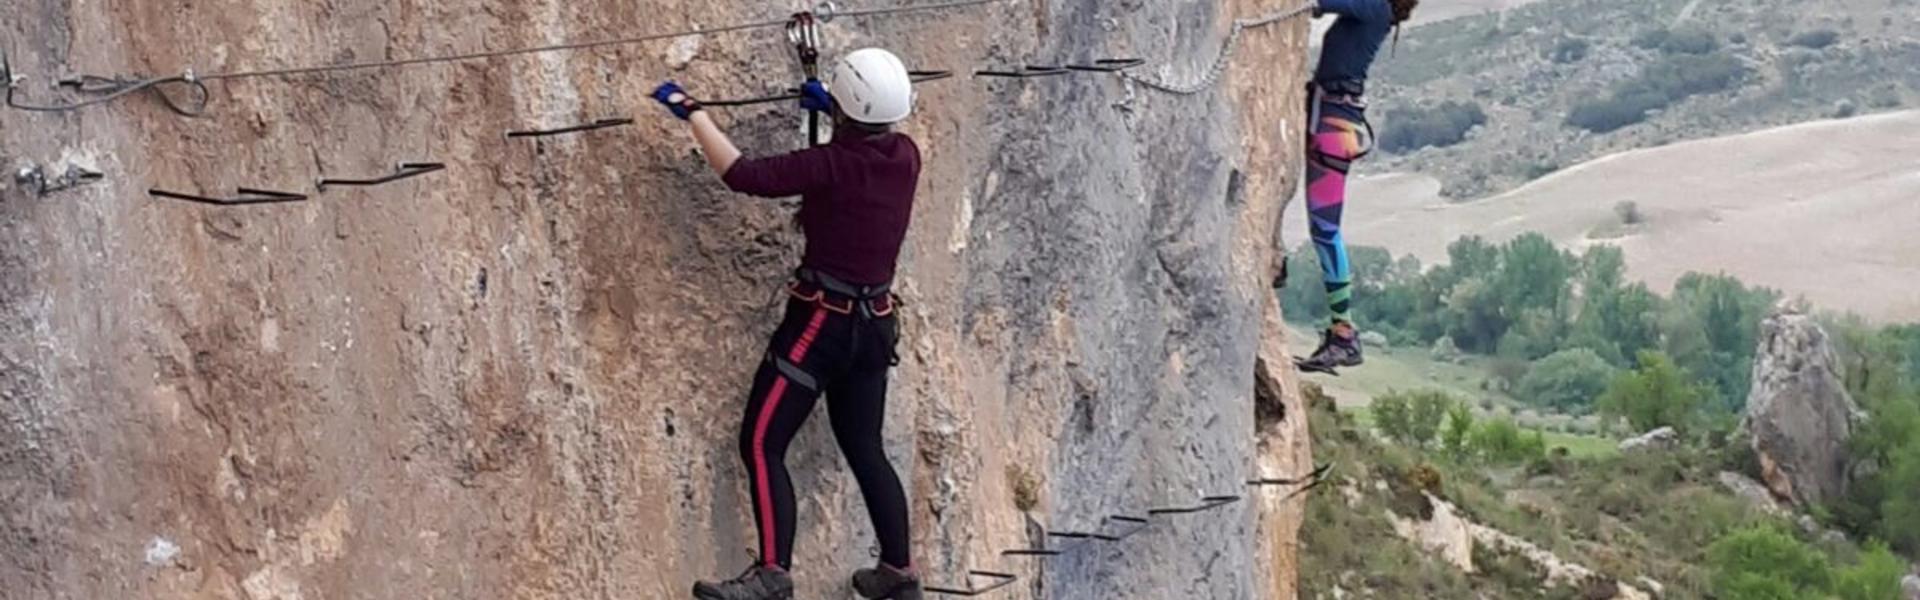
point(830, 293)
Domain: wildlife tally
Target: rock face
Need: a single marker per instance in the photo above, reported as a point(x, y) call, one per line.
point(1659, 439)
point(1799, 415)
point(521, 377)
point(1911, 586)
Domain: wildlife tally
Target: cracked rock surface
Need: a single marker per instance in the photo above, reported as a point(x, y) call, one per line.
point(521, 377)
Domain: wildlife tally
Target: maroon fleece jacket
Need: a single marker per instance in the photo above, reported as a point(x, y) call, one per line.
point(856, 198)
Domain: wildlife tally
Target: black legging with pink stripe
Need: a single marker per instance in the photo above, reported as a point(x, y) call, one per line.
point(847, 357)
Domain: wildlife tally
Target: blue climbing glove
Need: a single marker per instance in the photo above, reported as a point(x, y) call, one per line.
point(814, 96)
point(675, 99)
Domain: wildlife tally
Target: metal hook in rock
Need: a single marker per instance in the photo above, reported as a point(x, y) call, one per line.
point(825, 11)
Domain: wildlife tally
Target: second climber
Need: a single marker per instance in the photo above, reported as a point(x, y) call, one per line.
point(1338, 135)
point(838, 334)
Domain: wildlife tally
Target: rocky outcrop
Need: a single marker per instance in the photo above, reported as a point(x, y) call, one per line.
point(1799, 416)
point(1754, 492)
point(521, 377)
point(1911, 587)
point(1452, 537)
point(1663, 438)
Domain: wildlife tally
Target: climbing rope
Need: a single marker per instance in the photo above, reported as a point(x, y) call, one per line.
point(116, 88)
point(1214, 72)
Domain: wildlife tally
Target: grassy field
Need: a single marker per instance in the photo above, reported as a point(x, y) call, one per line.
point(1407, 369)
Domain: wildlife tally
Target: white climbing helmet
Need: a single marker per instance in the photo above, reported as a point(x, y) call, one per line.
point(872, 86)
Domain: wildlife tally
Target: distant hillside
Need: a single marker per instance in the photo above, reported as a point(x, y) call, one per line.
point(1633, 74)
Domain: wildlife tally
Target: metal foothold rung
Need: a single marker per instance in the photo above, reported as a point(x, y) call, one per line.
point(244, 196)
point(599, 124)
point(1000, 580)
point(1135, 525)
point(1206, 504)
point(926, 76)
point(1026, 72)
point(1318, 472)
point(404, 171)
point(1110, 65)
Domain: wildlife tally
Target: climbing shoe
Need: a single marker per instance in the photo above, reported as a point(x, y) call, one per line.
point(886, 583)
point(759, 582)
point(1336, 350)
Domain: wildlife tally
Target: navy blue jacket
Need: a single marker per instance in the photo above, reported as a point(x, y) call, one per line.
point(1350, 46)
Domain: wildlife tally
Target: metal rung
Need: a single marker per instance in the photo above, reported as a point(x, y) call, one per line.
point(1000, 580)
point(244, 196)
point(404, 171)
point(1027, 72)
point(1206, 504)
point(1318, 473)
point(926, 76)
point(600, 124)
point(1110, 65)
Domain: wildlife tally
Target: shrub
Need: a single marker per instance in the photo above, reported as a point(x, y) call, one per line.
point(1438, 126)
point(1762, 562)
point(1659, 85)
point(1657, 394)
point(1569, 50)
point(1651, 39)
point(1499, 440)
point(1568, 380)
point(1412, 418)
point(1629, 212)
point(1689, 41)
point(1816, 39)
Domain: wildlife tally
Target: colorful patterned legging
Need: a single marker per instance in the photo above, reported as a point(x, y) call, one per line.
point(1340, 137)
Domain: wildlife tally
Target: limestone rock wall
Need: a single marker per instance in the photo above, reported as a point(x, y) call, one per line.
point(521, 377)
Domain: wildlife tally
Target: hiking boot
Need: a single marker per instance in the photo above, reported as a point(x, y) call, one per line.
point(1336, 350)
point(886, 583)
point(759, 582)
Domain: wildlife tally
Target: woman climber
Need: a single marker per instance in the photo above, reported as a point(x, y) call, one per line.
point(839, 332)
point(1339, 135)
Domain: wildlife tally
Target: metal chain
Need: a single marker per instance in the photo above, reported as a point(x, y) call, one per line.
point(1218, 69)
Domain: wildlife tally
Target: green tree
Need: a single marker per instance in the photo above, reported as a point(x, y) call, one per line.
point(1762, 562)
point(1657, 394)
point(1876, 366)
point(1712, 325)
point(1568, 380)
point(1900, 510)
point(1616, 320)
